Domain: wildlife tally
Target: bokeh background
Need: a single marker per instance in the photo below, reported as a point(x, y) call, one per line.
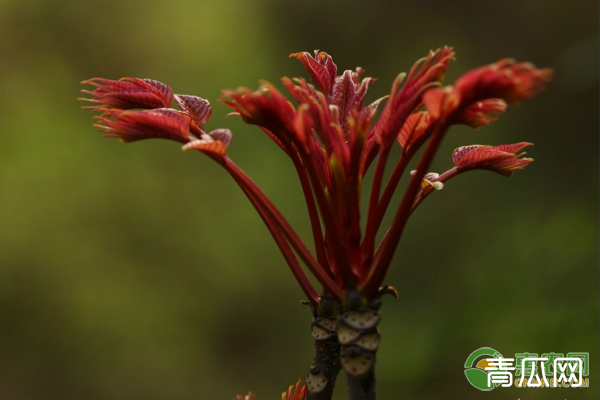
point(141, 272)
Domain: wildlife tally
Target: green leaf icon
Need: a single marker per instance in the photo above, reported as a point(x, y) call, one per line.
point(478, 378)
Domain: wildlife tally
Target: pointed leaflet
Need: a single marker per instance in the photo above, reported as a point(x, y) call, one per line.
point(501, 159)
point(321, 69)
point(326, 60)
point(344, 93)
point(326, 124)
point(132, 125)
point(303, 126)
point(369, 111)
point(405, 96)
point(358, 125)
point(335, 132)
point(316, 108)
point(321, 163)
point(414, 128)
point(198, 108)
point(300, 89)
point(161, 90)
point(128, 93)
point(371, 147)
point(361, 91)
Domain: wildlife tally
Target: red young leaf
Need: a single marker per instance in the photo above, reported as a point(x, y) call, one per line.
point(161, 90)
point(482, 113)
point(321, 116)
point(344, 93)
point(222, 135)
point(303, 125)
point(132, 125)
point(330, 138)
point(414, 128)
point(321, 69)
point(198, 108)
point(505, 80)
point(266, 107)
point(361, 90)
point(371, 147)
point(438, 100)
point(128, 93)
point(405, 96)
point(321, 163)
point(501, 159)
point(211, 147)
point(214, 143)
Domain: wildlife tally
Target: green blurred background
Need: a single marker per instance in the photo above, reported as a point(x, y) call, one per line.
point(139, 272)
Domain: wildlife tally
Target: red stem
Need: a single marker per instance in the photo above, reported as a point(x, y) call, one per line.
point(313, 213)
point(372, 216)
point(385, 252)
point(284, 247)
point(356, 143)
point(391, 187)
point(275, 215)
point(333, 234)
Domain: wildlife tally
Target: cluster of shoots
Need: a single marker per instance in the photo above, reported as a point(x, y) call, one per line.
point(332, 137)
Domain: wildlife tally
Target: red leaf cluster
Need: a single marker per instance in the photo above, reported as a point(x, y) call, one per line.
point(505, 80)
point(119, 103)
point(331, 137)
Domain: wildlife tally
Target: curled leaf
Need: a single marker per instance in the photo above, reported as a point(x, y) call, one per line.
point(197, 107)
point(430, 180)
point(210, 147)
point(222, 135)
